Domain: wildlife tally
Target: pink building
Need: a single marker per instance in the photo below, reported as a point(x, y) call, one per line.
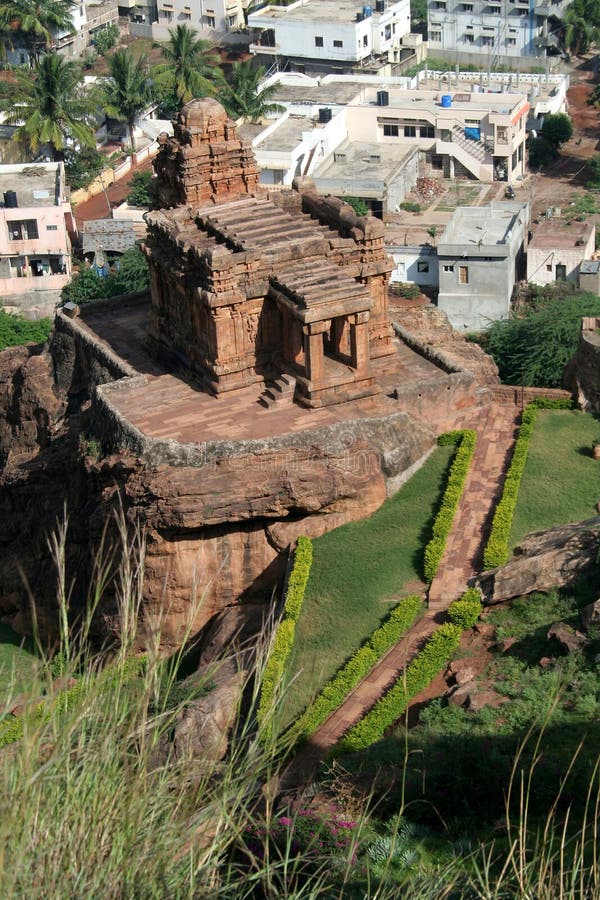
point(36, 227)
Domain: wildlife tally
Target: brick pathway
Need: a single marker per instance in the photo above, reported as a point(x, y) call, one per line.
point(496, 430)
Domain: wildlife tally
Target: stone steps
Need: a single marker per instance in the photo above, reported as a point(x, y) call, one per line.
point(280, 391)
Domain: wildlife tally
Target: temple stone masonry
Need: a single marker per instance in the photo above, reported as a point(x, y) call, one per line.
point(246, 289)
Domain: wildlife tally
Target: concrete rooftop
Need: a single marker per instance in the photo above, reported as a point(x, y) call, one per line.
point(328, 11)
point(287, 135)
point(556, 233)
point(361, 161)
point(482, 225)
point(335, 93)
point(36, 184)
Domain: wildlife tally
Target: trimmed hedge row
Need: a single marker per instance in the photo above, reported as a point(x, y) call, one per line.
point(456, 481)
point(424, 667)
point(358, 666)
point(497, 550)
point(440, 647)
point(284, 636)
point(465, 611)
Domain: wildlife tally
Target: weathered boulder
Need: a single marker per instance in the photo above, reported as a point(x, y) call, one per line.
point(569, 639)
point(543, 560)
point(590, 615)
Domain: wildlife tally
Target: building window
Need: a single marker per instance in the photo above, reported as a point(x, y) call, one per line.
point(426, 131)
point(210, 21)
point(469, 38)
point(51, 227)
point(487, 42)
point(548, 267)
point(232, 21)
point(422, 266)
point(463, 274)
point(318, 42)
point(410, 131)
point(390, 131)
point(448, 268)
point(25, 230)
point(388, 32)
point(511, 42)
point(435, 36)
point(365, 40)
point(338, 43)
point(186, 16)
point(467, 7)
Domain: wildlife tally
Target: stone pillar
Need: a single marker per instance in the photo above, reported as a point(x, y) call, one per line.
point(359, 342)
point(313, 351)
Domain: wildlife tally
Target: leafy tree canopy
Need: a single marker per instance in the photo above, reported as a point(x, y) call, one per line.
point(82, 166)
point(534, 348)
point(557, 129)
point(139, 194)
point(244, 96)
point(191, 66)
point(132, 275)
point(127, 90)
point(15, 330)
point(106, 38)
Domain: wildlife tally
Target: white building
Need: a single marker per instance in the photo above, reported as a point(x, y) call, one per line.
point(557, 249)
point(493, 31)
point(156, 17)
point(329, 34)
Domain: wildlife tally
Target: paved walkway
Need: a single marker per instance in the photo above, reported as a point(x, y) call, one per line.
point(496, 429)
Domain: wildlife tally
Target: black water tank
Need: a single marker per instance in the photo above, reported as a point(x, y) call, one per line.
point(10, 199)
point(383, 98)
point(360, 16)
point(379, 5)
point(325, 115)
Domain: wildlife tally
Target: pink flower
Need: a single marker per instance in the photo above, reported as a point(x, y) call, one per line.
point(285, 820)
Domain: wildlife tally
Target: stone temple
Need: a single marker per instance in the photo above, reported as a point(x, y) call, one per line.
point(291, 289)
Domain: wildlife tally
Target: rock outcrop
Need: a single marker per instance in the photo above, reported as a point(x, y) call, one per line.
point(543, 560)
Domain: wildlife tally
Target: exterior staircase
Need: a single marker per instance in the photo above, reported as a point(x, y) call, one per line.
point(279, 392)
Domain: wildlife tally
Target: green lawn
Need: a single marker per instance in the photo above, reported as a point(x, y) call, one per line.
point(18, 663)
point(358, 572)
point(561, 481)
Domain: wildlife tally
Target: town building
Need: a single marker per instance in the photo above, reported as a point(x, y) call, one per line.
point(589, 276)
point(481, 256)
point(494, 32)
point(557, 249)
point(328, 35)
point(88, 17)
point(36, 226)
point(155, 17)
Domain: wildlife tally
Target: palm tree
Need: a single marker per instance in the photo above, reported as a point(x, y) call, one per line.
point(191, 68)
point(243, 96)
point(38, 21)
point(48, 104)
point(579, 33)
point(127, 90)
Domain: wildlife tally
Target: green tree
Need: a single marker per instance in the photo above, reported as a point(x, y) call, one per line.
point(37, 22)
point(579, 32)
point(594, 167)
point(106, 38)
point(243, 96)
point(540, 152)
point(190, 68)
point(139, 193)
point(82, 166)
point(49, 105)
point(131, 274)
point(534, 348)
point(127, 90)
point(557, 129)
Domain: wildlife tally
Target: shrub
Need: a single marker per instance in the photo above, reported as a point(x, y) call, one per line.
point(359, 206)
point(106, 38)
point(445, 516)
point(404, 289)
point(283, 641)
point(139, 193)
point(82, 166)
point(409, 206)
point(425, 666)
point(358, 666)
point(465, 611)
point(15, 330)
point(553, 403)
point(132, 275)
point(497, 551)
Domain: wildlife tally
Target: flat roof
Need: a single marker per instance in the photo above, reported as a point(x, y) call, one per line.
point(432, 100)
point(335, 92)
point(287, 135)
point(35, 184)
point(590, 267)
point(328, 11)
point(482, 226)
point(361, 161)
point(552, 233)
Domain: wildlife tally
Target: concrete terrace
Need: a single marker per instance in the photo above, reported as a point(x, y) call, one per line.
point(168, 407)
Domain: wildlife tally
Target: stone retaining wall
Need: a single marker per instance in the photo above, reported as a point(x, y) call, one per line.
point(518, 395)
